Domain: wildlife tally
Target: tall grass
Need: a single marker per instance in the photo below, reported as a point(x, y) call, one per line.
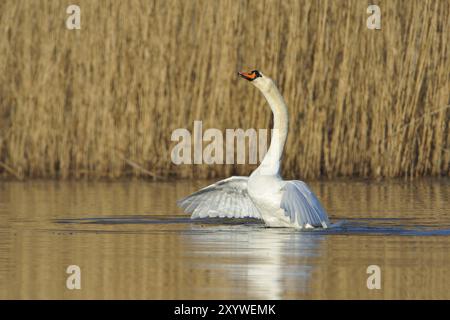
point(93, 102)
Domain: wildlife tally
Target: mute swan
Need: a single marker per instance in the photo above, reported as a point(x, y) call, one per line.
point(263, 195)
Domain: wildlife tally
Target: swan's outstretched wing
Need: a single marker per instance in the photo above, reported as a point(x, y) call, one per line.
point(225, 199)
point(301, 204)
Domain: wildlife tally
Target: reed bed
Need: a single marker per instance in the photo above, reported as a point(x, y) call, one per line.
point(103, 101)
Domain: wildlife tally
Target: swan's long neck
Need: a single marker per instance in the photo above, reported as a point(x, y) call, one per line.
point(271, 163)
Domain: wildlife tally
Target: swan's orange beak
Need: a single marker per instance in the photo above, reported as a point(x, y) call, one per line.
point(250, 76)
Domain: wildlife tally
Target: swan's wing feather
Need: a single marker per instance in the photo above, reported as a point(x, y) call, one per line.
point(301, 204)
point(227, 198)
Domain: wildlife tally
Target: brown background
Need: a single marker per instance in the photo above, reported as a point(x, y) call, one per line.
point(95, 101)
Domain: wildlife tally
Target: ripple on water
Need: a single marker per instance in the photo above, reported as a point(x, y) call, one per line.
point(355, 226)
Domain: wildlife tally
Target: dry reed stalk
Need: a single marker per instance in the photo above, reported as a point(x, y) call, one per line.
point(139, 69)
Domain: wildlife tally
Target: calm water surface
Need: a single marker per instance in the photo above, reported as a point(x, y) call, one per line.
point(131, 241)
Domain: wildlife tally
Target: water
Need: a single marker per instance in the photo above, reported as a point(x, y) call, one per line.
point(131, 241)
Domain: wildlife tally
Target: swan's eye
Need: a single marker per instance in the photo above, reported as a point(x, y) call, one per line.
point(257, 73)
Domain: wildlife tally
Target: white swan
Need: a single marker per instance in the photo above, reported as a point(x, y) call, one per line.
point(264, 195)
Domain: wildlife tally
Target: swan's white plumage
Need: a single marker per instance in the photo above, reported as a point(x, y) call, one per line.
point(301, 205)
point(227, 198)
point(264, 194)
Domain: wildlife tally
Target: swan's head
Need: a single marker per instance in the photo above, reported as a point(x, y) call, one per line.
point(251, 76)
point(258, 79)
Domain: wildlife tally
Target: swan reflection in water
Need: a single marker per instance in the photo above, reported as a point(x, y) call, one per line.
point(268, 263)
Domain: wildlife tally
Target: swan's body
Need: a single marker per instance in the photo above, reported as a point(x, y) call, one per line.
point(264, 195)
